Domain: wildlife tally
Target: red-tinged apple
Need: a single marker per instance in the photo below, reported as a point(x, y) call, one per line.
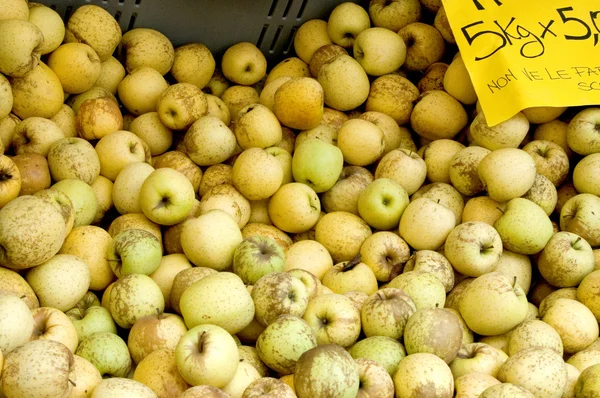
point(154, 332)
point(207, 354)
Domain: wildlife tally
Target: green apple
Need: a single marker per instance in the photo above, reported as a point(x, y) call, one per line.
point(317, 164)
point(133, 297)
point(325, 370)
point(134, 251)
point(379, 50)
point(257, 256)
point(524, 227)
point(282, 342)
point(433, 330)
point(107, 352)
point(473, 248)
point(493, 304)
point(167, 196)
point(424, 288)
point(89, 317)
point(203, 303)
point(382, 203)
point(207, 354)
point(386, 351)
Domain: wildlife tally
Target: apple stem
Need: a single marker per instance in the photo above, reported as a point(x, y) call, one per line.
point(352, 263)
point(577, 240)
point(514, 281)
point(23, 297)
point(72, 383)
point(500, 210)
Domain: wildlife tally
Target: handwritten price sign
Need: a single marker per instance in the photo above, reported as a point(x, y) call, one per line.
point(525, 53)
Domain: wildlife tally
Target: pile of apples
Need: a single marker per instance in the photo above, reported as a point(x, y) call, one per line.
point(344, 223)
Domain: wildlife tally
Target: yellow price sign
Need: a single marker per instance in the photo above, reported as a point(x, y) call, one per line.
point(527, 53)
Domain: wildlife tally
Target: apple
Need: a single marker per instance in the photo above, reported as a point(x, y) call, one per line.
point(73, 157)
point(47, 281)
point(62, 203)
point(587, 381)
point(53, 324)
point(326, 369)
point(257, 256)
point(578, 216)
point(94, 25)
point(435, 331)
point(515, 265)
point(566, 259)
point(508, 134)
point(424, 288)
point(40, 83)
point(438, 115)
point(432, 262)
point(333, 319)
point(317, 164)
point(11, 181)
point(423, 373)
point(111, 74)
point(473, 384)
point(501, 169)
point(581, 132)
point(268, 387)
point(385, 253)
point(395, 14)
point(300, 197)
point(492, 305)
point(200, 303)
point(21, 46)
point(425, 224)
point(133, 297)
point(170, 265)
point(34, 171)
point(207, 354)
point(344, 81)
point(464, 168)
point(257, 174)
point(17, 323)
point(107, 352)
point(375, 381)
point(349, 276)
point(308, 255)
point(534, 333)
point(193, 63)
point(279, 293)
point(438, 157)
point(90, 318)
point(76, 65)
point(382, 203)
point(426, 45)
point(166, 196)
point(477, 358)
point(40, 368)
point(257, 126)
point(584, 172)
point(204, 391)
point(574, 322)
point(98, 117)
point(134, 251)
point(504, 389)
point(385, 351)
point(150, 129)
point(551, 297)
point(141, 90)
point(154, 332)
point(244, 376)
point(122, 386)
point(227, 198)
point(403, 166)
point(586, 292)
point(210, 239)
point(473, 248)
point(297, 103)
point(543, 193)
point(118, 149)
point(11, 282)
point(393, 95)
point(551, 160)
point(86, 377)
point(180, 105)
point(379, 50)
point(243, 63)
point(394, 308)
point(550, 374)
point(342, 233)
